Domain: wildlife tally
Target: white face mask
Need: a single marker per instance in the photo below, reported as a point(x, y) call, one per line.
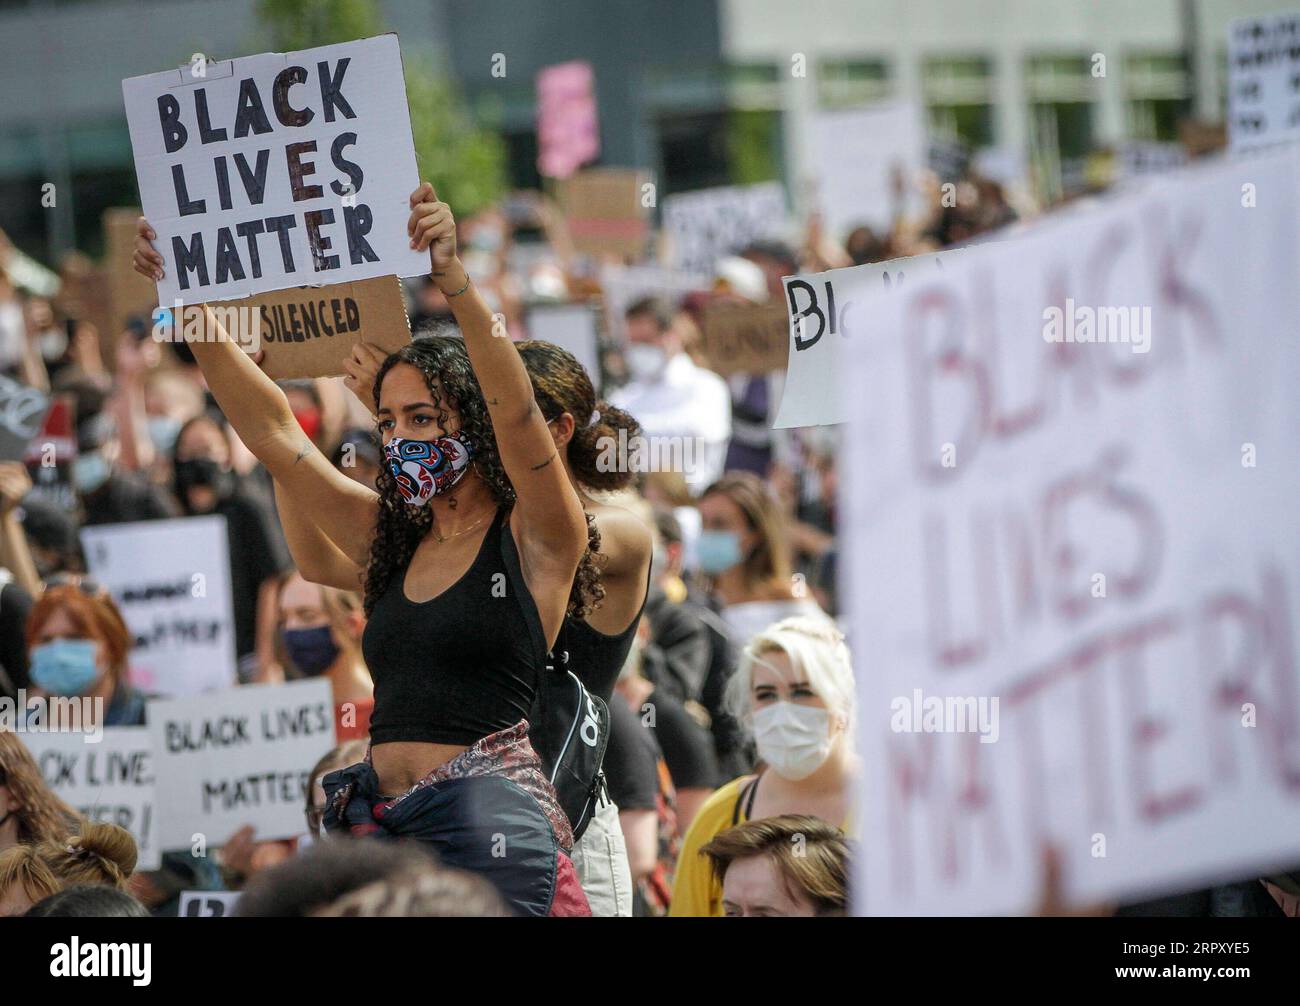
point(793, 739)
point(644, 361)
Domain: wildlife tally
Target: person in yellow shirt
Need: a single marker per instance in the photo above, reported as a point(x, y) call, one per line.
point(794, 687)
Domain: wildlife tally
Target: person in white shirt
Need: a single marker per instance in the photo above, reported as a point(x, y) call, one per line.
point(673, 398)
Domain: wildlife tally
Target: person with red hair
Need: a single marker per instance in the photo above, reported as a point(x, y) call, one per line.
point(77, 644)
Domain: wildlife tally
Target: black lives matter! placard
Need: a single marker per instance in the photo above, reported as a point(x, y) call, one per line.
point(278, 170)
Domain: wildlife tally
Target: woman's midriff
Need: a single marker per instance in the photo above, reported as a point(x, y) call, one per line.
point(401, 764)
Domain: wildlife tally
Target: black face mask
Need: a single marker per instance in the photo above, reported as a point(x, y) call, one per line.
point(200, 473)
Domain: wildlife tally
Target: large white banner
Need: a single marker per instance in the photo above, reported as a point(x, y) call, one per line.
point(108, 777)
point(827, 321)
point(171, 579)
point(239, 757)
point(276, 170)
point(705, 225)
point(859, 152)
point(1263, 81)
point(1074, 581)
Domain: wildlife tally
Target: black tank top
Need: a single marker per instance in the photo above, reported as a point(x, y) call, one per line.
point(463, 665)
point(597, 658)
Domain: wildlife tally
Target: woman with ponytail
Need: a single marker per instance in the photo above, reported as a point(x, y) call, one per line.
point(470, 547)
point(97, 854)
point(586, 433)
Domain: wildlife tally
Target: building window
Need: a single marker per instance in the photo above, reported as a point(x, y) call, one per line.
point(844, 83)
point(959, 98)
point(1061, 90)
point(1157, 95)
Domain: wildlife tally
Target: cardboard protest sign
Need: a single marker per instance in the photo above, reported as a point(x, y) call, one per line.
point(744, 338)
point(860, 150)
point(171, 579)
point(622, 286)
point(277, 170)
point(826, 322)
point(129, 293)
point(22, 414)
point(604, 211)
point(570, 326)
point(568, 132)
point(705, 225)
point(1263, 81)
point(310, 331)
point(1073, 581)
point(242, 756)
point(207, 904)
point(107, 777)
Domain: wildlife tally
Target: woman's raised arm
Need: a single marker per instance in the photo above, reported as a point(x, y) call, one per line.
point(259, 412)
point(550, 519)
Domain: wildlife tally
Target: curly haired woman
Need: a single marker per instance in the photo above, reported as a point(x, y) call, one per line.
point(476, 538)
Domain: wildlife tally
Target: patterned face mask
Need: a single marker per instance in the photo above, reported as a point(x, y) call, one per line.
point(423, 469)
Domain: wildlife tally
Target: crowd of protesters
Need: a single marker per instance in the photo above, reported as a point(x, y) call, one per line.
point(729, 682)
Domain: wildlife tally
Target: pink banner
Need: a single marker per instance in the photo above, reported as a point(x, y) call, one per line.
point(568, 135)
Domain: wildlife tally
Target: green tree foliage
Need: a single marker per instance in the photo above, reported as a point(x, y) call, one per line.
point(465, 163)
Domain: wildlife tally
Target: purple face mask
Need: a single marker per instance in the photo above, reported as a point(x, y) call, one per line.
point(423, 469)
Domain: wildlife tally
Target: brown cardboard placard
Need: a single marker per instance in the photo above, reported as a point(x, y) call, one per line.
point(129, 293)
point(603, 211)
point(745, 339)
point(309, 331)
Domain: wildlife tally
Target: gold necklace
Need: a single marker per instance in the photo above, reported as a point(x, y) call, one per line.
point(440, 537)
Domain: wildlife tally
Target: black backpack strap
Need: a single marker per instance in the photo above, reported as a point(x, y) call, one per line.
point(744, 798)
point(515, 573)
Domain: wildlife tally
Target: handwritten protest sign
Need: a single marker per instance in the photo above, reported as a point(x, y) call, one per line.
point(605, 212)
point(108, 779)
point(238, 757)
point(703, 226)
point(859, 152)
point(568, 133)
point(22, 413)
point(826, 321)
point(744, 339)
point(622, 286)
point(277, 170)
point(1263, 81)
point(310, 331)
point(1072, 568)
point(171, 578)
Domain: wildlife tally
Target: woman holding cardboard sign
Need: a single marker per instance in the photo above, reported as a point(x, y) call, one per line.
point(471, 546)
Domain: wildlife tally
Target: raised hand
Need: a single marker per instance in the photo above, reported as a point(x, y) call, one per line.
point(147, 262)
point(432, 226)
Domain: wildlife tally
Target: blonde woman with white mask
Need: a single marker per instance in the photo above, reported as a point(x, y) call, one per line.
point(794, 689)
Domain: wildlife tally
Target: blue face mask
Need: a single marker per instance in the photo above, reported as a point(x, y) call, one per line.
point(311, 650)
point(64, 666)
point(717, 551)
point(89, 471)
point(163, 431)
